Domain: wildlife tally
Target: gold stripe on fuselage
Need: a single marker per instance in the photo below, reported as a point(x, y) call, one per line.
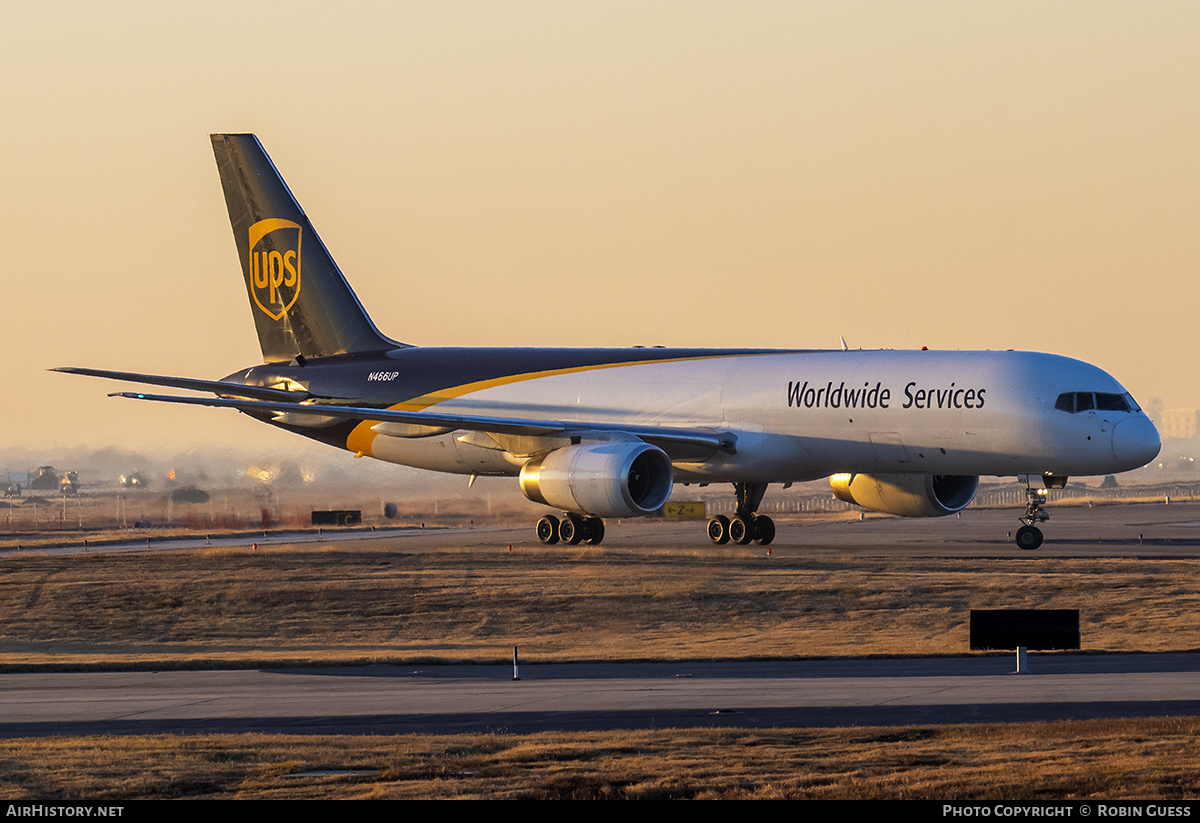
point(362, 437)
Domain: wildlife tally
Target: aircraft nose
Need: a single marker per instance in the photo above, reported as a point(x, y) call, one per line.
point(1135, 442)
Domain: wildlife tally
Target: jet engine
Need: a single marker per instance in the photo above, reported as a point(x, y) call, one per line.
point(620, 479)
point(908, 495)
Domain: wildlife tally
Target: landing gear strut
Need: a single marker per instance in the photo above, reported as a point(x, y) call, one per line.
point(1029, 536)
point(745, 526)
point(571, 529)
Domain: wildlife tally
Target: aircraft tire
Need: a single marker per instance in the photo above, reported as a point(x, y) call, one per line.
point(593, 528)
point(764, 530)
point(1029, 538)
point(570, 529)
point(547, 529)
point(718, 530)
point(741, 530)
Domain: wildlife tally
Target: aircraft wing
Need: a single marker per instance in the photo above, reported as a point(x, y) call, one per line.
point(671, 440)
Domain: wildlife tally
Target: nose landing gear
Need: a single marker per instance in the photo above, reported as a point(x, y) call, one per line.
point(1029, 536)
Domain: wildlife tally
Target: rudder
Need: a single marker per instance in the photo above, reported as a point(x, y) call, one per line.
point(302, 304)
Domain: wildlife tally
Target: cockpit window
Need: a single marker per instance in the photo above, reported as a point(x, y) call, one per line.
point(1081, 401)
point(1111, 402)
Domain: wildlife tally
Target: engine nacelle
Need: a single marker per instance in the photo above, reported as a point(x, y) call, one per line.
point(621, 479)
point(908, 495)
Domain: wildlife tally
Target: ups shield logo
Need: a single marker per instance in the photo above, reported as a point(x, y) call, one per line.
point(275, 265)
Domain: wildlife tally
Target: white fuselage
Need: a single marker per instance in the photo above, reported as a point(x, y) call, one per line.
point(804, 415)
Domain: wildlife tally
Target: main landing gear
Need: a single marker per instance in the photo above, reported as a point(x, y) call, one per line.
point(745, 526)
point(1029, 536)
point(571, 529)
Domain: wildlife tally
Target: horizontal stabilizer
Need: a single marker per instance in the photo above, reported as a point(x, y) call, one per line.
point(220, 387)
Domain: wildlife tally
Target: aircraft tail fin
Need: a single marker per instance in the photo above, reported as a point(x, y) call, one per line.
point(302, 305)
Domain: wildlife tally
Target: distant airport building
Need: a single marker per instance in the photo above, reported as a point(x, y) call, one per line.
point(1179, 424)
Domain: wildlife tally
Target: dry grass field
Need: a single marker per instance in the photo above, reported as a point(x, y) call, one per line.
point(374, 601)
point(366, 601)
point(1108, 759)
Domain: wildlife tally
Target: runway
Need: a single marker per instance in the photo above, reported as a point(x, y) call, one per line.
point(450, 699)
point(1147, 530)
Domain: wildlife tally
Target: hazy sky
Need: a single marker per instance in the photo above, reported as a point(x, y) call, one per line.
point(950, 174)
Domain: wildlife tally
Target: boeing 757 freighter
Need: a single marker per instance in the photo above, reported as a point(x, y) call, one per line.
point(602, 433)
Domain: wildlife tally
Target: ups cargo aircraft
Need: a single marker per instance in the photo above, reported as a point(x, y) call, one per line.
point(602, 433)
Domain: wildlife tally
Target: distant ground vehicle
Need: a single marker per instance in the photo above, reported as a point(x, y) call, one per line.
point(133, 480)
point(45, 479)
point(69, 485)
